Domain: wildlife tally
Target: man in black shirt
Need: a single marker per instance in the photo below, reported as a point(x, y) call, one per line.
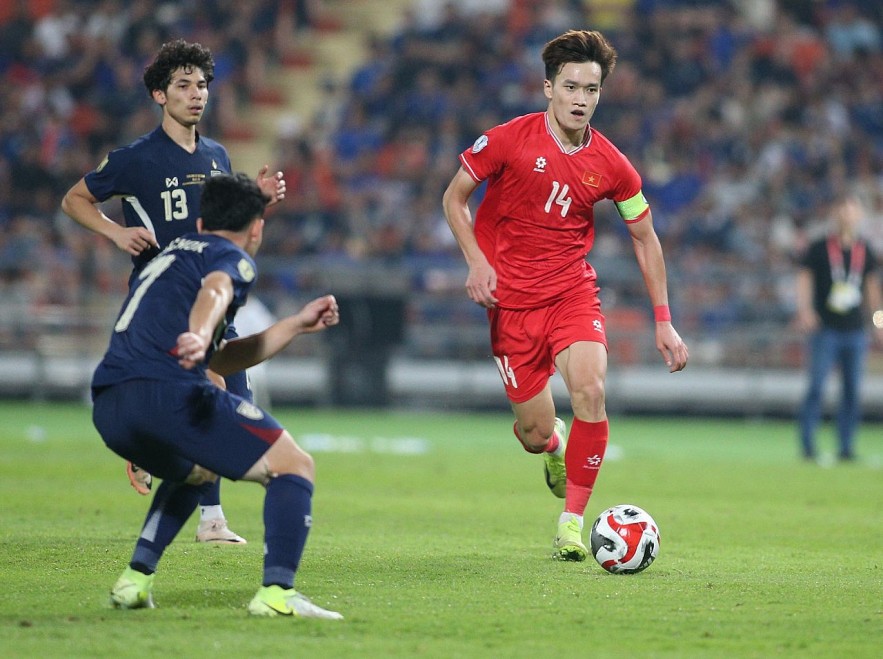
point(838, 293)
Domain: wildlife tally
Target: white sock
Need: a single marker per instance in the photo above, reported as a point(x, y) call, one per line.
point(209, 513)
point(566, 517)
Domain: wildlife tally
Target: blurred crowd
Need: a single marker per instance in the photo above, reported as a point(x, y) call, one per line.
point(72, 90)
point(743, 116)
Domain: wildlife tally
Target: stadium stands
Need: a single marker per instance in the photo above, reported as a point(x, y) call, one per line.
point(742, 117)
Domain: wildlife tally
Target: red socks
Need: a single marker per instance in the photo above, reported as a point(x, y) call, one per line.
point(585, 453)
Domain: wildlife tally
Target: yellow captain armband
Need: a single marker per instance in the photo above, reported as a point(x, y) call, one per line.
point(633, 208)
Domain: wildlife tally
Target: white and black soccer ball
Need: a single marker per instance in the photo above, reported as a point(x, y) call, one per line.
point(625, 539)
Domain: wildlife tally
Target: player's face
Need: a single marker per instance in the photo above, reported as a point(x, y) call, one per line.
point(185, 98)
point(573, 96)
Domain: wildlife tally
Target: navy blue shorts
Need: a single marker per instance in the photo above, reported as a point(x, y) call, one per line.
point(167, 427)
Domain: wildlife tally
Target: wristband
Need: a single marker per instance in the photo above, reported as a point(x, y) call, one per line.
point(661, 313)
point(877, 319)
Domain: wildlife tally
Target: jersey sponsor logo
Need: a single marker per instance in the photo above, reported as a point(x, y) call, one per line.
point(249, 411)
point(540, 165)
point(172, 182)
point(246, 270)
point(480, 143)
point(593, 462)
point(591, 178)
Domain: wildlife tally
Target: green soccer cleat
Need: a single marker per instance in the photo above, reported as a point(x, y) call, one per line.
point(273, 601)
point(569, 542)
point(556, 474)
point(132, 591)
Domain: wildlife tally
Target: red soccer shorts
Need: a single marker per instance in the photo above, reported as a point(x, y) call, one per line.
point(525, 341)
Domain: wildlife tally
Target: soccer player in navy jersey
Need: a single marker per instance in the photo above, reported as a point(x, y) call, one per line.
point(526, 253)
point(159, 177)
point(155, 405)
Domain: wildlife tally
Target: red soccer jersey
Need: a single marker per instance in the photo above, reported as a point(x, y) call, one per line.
point(536, 223)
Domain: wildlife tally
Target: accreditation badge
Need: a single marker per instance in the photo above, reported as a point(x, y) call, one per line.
point(844, 297)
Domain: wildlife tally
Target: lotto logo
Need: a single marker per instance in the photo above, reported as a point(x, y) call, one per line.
point(597, 325)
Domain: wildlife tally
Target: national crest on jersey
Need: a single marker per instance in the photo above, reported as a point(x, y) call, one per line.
point(536, 221)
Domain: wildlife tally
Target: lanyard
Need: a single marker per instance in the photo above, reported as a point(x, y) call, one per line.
point(856, 261)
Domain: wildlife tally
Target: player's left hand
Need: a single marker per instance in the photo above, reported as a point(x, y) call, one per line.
point(320, 313)
point(273, 186)
point(671, 347)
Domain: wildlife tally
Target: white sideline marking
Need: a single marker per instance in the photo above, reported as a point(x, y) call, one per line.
point(326, 443)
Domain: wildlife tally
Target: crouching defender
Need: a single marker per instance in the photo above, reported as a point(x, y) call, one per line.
point(155, 406)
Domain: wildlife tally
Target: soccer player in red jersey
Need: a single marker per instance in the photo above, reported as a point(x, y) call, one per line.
point(526, 253)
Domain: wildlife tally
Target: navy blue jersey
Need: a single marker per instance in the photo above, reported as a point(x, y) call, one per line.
point(160, 184)
point(157, 309)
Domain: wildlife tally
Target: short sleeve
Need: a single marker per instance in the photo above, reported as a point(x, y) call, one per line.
point(110, 178)
point(487, 156)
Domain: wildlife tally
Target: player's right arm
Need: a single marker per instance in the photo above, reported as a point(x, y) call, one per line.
point(212, 301)
point(482, 279)
point(82, 207)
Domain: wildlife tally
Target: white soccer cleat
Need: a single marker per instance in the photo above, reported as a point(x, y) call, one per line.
point(216, 530)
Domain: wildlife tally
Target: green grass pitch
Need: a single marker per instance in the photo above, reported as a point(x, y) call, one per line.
point(432, 534)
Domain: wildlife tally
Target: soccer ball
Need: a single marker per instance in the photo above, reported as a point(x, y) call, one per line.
point(625, 539)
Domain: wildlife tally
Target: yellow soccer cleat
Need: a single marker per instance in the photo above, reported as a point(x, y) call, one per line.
point(132, 591)
point(568, 543)
point(556, 473)
point(271, 601)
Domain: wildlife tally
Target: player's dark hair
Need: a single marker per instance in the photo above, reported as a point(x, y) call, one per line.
point(230, 202)
point(173, 56)
point(579, 46)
